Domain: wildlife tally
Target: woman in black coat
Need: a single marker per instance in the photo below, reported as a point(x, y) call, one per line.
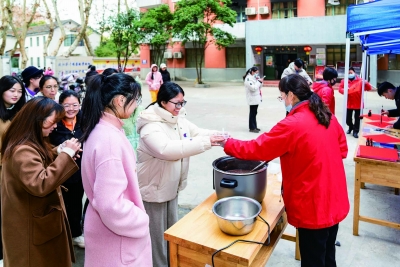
point(68, 127)
point(164, 73)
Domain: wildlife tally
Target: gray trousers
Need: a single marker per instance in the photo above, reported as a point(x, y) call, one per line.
point(162, 216)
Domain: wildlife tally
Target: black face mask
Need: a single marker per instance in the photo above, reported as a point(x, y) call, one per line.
point(332, 83)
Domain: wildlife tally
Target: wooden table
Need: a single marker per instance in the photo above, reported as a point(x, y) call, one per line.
point(194, 238)
point(377, 172)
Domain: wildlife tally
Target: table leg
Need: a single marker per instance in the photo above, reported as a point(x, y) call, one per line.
point(396, 191)
point(297, 250)
point(357, 185)
point(173, 254)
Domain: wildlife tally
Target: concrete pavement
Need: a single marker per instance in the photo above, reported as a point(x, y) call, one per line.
point(223, 106)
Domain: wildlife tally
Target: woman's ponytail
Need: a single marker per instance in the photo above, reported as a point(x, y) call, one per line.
point(252, 69)
point(320, 110)
point(92, 106)
point(299, 87)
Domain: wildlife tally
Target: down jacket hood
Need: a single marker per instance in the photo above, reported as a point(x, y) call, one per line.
point(153, 65)
point(155, 113)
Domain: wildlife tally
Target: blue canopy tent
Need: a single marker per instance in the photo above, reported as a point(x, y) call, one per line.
point(377, 24)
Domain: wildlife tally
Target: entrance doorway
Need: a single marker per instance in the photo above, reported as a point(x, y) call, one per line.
point(282, 61)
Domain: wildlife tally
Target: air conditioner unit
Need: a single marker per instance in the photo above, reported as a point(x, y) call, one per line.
point(334, 2)
point(177, 55)
point(263, 10)
point(249, 11)
point(167, 55)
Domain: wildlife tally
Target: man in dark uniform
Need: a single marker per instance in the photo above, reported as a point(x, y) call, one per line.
point(389, 91)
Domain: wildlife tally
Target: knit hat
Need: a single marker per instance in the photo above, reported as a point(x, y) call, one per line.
point(162, 65)
point(31, 72)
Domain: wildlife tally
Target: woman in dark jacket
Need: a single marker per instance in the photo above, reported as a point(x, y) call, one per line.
point(164, 73)
point(68, 127)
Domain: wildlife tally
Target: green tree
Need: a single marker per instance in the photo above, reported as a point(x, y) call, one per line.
point(106, 49)
point(155, 25)
point(194, 21)
point(125, 35)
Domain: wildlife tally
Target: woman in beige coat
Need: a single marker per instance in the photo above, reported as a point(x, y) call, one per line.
point(167, 140)
point(35, 226)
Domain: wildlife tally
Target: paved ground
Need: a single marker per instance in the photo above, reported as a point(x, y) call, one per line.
point(223, 106)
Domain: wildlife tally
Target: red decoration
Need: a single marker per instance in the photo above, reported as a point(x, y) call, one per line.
point(307, 49)
point(258, 49)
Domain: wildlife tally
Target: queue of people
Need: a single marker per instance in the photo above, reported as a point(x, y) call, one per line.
point(132, 174)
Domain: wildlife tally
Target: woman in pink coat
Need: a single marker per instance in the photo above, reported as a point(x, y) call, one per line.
point(154, 80)
point(116, 223)
point(49, 71)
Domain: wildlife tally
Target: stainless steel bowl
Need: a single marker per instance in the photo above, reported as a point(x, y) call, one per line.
point(236, 215)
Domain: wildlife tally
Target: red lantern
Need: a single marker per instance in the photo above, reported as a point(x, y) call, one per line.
point(307, 49)
point(258, 49)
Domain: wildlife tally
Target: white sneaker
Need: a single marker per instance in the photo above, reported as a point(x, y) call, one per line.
point(78, 241)
point(1, 263)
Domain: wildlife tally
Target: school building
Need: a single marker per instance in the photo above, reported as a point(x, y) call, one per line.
point(272, 33)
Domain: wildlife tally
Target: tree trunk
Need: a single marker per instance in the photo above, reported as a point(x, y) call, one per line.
point(119, 7)
point(84, 9)
point(4, 25)
point(88, 46)
point(61, 26)
point(51, 30)
point(20, 34)
point(126, 5)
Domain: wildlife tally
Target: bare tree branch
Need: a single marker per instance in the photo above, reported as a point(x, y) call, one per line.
point(84, 9)
point(4, 25)
point(61, 26)
point(51, 30)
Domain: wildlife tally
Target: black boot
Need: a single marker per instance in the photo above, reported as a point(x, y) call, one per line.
point(355, 134)
point(349, 131)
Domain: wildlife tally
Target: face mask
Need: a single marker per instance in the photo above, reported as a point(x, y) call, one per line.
point(352, 76)
point(288, 108)
point(256, 76)
point(333, 82)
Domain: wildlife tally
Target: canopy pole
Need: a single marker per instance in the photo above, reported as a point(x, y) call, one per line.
point(346, 79)
point(364, 77)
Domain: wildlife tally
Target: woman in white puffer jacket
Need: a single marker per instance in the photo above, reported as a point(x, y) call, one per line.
point(253, 84)
point(167, 141)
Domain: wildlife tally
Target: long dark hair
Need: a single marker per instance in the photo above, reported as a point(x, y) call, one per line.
point(299, 87)
point(252, 69)
point(109, 71)
point(26, 128)
point(6, 83)
point(167, 91)
point(100, 94)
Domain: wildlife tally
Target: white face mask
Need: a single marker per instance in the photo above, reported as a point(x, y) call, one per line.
point(288, 107)
point(352, 76)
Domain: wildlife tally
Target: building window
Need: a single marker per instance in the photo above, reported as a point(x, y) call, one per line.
point(335, 53)
point(37, 41)
point(240, 13)
point(284, 10)
point(394, 62)
point(190, 56)
point(340, 9)
point(235, 57)
point(69, 40)
point(31, 59)
point(38, 62)
point(44, 40)
point(30, 42)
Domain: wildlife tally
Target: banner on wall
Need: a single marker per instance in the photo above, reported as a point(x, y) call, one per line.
point(319, 70)
point(78, 65)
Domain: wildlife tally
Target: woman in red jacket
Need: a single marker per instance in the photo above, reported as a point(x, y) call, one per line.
point(353, 101)
point(324, 88)
point(311, 145)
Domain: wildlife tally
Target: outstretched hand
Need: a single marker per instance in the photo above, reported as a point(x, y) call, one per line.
point(216, 139)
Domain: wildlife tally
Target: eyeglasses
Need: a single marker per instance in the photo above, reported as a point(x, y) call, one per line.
point(73, 106)
point(49, 87)
point(138, 100)
point(280, 99)
point(179, 104)
point(37, 78)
